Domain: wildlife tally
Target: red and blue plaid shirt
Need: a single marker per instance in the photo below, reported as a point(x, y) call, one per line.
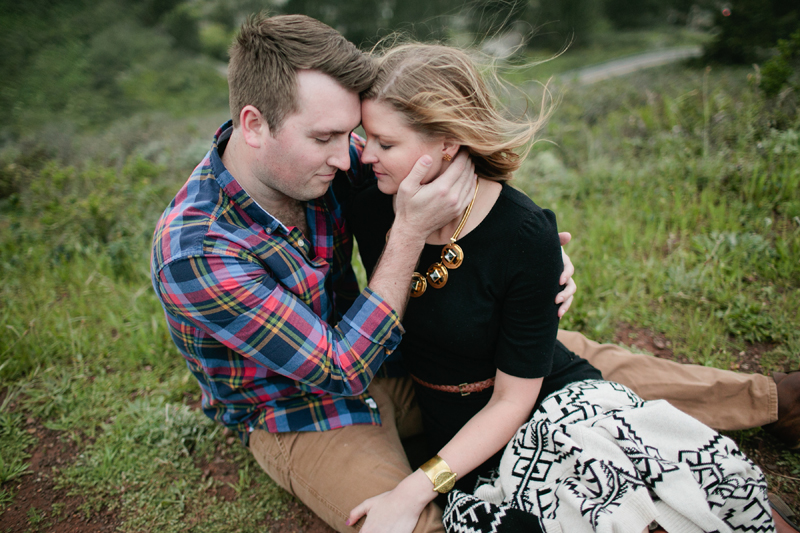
point(271, 324)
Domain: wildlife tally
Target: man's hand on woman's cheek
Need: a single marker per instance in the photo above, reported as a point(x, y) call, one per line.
point(428, 207)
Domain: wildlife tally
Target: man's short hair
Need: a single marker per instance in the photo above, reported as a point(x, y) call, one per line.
point(267, 54)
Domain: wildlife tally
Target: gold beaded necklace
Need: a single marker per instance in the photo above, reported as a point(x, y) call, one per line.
point(451, 258)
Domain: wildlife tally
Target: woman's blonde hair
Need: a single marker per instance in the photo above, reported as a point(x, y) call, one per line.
point(441, 93)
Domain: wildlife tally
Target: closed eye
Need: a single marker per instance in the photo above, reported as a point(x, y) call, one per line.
point(384, 146)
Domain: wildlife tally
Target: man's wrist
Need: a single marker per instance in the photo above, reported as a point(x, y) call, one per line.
point(406, 236)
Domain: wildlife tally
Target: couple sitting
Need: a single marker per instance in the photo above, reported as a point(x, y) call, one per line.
point(251, 261)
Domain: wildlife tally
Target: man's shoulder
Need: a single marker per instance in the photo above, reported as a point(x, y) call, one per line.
point(182, 228)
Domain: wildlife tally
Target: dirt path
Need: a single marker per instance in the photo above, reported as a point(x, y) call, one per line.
point(626, 65)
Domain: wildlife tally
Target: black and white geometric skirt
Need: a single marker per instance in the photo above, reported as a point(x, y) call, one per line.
point(596, 457)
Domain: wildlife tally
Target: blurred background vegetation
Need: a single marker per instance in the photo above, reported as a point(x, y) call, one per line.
point(82, 63)
point(680, 185)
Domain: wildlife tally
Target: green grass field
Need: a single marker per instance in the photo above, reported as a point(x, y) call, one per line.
point(681, 188)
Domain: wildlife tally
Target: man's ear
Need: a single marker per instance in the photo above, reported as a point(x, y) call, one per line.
point(254, 126)
point(450, 147)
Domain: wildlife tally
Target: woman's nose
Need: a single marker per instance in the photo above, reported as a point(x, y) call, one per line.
point(368, 155)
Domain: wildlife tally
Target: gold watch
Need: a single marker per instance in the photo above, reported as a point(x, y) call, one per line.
point(439, 473)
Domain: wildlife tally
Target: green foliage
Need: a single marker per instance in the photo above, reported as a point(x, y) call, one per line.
point(14, 441)
point(74, 248)
point(91, 62)
point(145, 463)
point(14, 444)
point(697, 235)
point(778, 71)
point(35, 517)
point(747, 320)
point(750, 26)
point(635, 14)
point(563, 22)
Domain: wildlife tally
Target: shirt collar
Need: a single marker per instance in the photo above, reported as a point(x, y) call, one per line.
point(232, 188)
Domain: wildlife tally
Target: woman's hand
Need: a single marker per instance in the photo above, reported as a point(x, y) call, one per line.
point(566, 296)
point(398, 510)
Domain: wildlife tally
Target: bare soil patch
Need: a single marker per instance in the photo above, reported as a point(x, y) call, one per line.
point(37, 495)
point(748, 360)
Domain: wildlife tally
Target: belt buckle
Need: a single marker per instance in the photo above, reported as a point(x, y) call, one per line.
point(461, 389)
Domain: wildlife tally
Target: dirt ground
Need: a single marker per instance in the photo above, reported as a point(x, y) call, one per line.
point(37, 489)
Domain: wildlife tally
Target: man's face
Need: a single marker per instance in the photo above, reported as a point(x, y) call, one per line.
point(300, 161)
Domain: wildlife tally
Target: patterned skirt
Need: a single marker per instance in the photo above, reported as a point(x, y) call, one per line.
point(596, 457)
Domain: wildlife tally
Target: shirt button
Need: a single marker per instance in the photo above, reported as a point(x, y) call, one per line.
point(301, 243)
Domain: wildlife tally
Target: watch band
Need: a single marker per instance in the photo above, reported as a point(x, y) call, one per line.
point(439, 473)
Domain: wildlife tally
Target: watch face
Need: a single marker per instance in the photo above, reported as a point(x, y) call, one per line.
point(444, 482)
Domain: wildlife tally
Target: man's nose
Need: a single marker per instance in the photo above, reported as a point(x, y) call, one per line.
point(341, 157)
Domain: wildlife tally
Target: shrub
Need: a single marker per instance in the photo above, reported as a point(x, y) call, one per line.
point(779, 70)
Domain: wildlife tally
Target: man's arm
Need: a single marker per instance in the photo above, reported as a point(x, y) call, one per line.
point(565, 297)
point(420, 210)
point(239, 303)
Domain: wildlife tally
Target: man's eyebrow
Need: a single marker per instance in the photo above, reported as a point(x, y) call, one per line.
point(329, 132)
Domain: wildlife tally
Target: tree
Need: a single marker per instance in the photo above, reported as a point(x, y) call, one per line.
point(748, 29)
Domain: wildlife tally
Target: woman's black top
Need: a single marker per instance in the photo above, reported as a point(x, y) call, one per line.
point(496, 311)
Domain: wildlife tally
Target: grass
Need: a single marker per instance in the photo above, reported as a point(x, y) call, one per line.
point(685, 205)
point(14, 444)
point(680, 187)
point(146, 462)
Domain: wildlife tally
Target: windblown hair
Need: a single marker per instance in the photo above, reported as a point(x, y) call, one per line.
point(441, 93)
point(268, 52)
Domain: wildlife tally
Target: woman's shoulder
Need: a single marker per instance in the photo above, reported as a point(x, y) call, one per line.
point(532, 238)
point(529, 216)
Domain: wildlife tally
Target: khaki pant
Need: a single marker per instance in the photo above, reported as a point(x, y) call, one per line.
point(720, 399)
point(333, 471)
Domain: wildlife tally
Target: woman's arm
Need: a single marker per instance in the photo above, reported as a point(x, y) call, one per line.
point(487, 432)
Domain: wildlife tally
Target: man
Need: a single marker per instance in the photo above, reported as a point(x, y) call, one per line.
point(251, 262)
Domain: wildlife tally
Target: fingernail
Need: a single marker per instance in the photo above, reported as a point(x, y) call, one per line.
point(347, 522)
point(425, 160)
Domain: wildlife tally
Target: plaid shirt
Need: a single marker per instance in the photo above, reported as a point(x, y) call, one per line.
point(260, 313)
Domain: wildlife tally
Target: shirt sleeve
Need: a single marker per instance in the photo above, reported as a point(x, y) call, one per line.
point(239, 304)
point(529, 322)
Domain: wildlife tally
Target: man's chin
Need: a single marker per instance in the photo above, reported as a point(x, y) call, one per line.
point(318, 191)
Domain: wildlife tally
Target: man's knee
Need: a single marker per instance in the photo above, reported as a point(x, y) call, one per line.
point(268, 453)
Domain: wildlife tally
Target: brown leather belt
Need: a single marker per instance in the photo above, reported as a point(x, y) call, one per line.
point(465, 388)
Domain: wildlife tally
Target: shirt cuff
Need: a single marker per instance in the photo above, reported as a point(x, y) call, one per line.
point(375, 320)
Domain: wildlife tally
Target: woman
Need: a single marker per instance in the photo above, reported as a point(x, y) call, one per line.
point(481, 327)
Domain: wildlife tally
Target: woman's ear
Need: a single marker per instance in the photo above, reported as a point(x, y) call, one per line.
point(450, 147)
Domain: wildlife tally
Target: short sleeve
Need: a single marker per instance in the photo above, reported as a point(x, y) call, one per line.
point(529, 322)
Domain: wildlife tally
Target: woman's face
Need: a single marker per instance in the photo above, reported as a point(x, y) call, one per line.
point(393, 147)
